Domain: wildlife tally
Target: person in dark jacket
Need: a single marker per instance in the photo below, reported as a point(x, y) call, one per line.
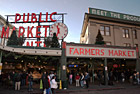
point(30, 80)
point(134, 78)
point(46, 84)
point(43, 79)
point(23, 78)
point(17, 81)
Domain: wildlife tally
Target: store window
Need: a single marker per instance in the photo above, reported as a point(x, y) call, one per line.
point(134, 34)
point(105, 30)
point(126, 33)
point(127, 44)
point(108, 43)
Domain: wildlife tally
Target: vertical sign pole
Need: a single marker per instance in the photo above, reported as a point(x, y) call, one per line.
point(63, 66)
point(105, 70)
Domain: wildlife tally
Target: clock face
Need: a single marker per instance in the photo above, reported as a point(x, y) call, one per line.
point(60, 29)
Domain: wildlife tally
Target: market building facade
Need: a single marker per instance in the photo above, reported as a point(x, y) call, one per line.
point(73, 57)
point(117, 29)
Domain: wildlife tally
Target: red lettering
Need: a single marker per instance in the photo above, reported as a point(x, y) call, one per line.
point(24, 18)
point(38, 42)
point(44, 45)
point(17, 19)
point(81, 51)
point(129, 53)
point(110, 52)
point(34, 19)
point(28, 44)
point(124, 53)
point(52, 15)
point(40, 17)
point(92, 53)
point(19, 33)
point(116, 53)
point(76, 51)
point(38, 32)
point(120, 53)
point(97, 52)
point(132, 53)
point(29, 31)
point(87, 51)
point(102, 52)
point(70, 50)
point(46, 30)
point(6, 34)
point(46, 16)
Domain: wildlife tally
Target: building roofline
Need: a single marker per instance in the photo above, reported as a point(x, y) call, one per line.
point(88, 16)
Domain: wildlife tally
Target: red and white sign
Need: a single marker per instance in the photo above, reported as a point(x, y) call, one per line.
point(80, 51)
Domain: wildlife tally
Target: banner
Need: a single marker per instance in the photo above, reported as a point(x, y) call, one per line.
point(111, 14)
point(82, 51)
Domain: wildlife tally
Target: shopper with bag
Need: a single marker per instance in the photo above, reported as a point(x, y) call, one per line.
point(46, 85)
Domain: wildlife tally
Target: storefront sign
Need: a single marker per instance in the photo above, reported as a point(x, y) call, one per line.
point(34, 31)
point(80, 51)
point(114, 14)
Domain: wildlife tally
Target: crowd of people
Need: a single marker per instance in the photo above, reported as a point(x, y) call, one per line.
point(81, 79)
point(49, 81)
point(15, 80)
point(114, 76)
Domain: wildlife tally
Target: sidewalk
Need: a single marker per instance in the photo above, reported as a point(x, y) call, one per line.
point(71, 89)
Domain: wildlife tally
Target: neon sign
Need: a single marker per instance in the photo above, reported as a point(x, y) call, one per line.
point(34, 18)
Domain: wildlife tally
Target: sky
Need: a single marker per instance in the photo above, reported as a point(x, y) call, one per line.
point(75, 10)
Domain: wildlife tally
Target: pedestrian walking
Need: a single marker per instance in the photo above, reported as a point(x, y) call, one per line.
point(23, 78)
point(134, 78)
point(54, 85)
point(82, 80)
point(70, 78)
point(44, 79)
point(13, 79)
point(30, 80)
point(99, 77)
point(87, 79)
point(17, 81)
point(138, 78)
point(77, 78)
point(46, 84)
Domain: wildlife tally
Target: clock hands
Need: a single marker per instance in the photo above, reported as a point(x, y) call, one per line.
point(58, 31)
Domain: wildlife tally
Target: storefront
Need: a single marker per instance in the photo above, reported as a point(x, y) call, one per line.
point(94, 58)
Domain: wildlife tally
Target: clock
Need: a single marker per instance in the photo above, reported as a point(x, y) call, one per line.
point(60, 29)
